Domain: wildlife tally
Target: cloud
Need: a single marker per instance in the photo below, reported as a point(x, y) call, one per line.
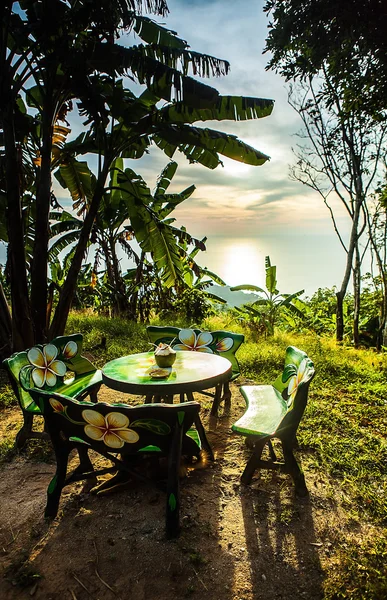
point(238, 197)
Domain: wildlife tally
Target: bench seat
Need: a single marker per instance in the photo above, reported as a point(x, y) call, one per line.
point(265, 410)
point(78, 378)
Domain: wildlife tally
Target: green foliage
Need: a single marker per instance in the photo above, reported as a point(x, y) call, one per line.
point(307, 35)
point(191, 305)
point(108, 338)
point(262, 315)
point(7, 397)
point(90, 69)
point(360, 571)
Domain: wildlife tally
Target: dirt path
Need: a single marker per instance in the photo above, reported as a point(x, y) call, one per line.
point(236, 543)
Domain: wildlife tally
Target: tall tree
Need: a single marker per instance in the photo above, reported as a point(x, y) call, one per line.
point(304, 35)
point(56, 51)
point(314, 44)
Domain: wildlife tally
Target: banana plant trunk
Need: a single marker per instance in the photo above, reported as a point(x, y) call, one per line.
point(39, 285)
point(22, 330)
point(68, 290)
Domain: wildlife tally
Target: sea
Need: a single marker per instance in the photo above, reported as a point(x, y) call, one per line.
point(303, 261)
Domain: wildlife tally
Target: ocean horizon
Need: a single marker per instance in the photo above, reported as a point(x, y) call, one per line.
point(304, 261)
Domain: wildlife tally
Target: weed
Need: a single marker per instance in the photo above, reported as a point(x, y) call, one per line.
point(190, 590)
point(7, 449)
point(20, 573)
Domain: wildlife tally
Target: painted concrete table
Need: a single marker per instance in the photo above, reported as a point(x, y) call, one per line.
point(191, 372)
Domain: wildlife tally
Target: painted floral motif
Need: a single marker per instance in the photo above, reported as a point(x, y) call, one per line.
point(194, 343)
point(47, 368)
point(111, 429)
point(70, 350)
point(57, 406)
point(224, 344)
point(295, 381)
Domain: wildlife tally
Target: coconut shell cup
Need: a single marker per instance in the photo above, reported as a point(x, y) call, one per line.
point(165, 360)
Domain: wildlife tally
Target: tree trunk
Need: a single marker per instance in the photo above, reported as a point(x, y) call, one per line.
point(134, 297)
point(122, 306)
point(22, 331)
point(5, 327)
point(344, 284)
point(356, 296)
point(66, 297)
point(40, 253)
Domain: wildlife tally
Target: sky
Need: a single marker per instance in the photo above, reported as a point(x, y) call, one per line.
point(238, 199)
point(260, 210)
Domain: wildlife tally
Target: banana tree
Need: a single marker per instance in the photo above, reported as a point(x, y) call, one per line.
point(128, 199)
point(267, 308)
point(84, 65)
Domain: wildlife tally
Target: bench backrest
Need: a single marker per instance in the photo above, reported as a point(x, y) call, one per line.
point(225, 343)
point(49, 366)
point(113, 428)
point(293, 384)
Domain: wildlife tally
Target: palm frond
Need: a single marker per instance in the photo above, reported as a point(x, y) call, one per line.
point(234, 108)
point(77, 177)
point(203, 145)
point(153, 33)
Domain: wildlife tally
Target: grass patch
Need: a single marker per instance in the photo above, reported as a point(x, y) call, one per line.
point(7, 397)
point(359, 571)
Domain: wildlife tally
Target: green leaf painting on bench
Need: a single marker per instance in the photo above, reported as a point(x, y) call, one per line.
point(153, 425)
point(297, 375)
point(52, 484)
point(172, 502)
point(62, 410)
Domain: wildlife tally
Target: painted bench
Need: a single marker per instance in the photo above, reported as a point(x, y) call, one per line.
point(124, 435)
point(60, 366)
point(275, 411)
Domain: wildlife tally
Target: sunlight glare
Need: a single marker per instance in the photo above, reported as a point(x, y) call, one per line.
point(243, 264)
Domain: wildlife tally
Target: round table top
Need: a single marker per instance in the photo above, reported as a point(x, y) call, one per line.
point(191, 372)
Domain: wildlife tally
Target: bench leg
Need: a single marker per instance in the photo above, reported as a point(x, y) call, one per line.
point(201, 431)
point(203, 438)
point(25, 431)
point(292, 467)
point(94, 395)
point(226, 398)
point(254, 462)
point(217, 399)
point(56, 485)
point(172, 521)
point(86, 466)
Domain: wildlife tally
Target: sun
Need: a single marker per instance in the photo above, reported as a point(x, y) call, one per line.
point(243, 264)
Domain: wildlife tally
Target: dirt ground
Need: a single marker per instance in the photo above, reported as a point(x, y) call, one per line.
point(236, 543)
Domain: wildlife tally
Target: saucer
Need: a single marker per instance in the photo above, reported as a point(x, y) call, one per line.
point(157, 373)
